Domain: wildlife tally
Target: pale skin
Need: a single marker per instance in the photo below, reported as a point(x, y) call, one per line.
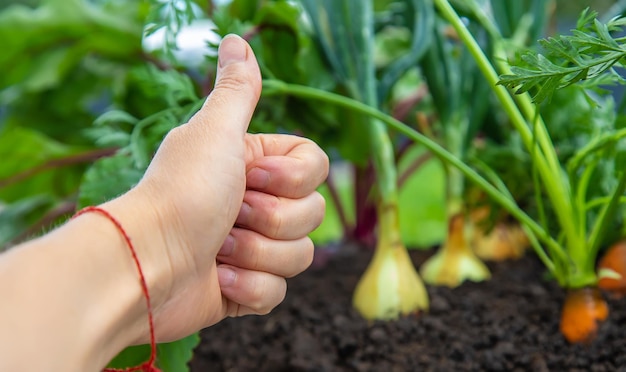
point(219, 220)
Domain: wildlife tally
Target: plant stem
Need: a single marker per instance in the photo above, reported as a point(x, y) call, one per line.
point(595, 144)
point(274, 87)
point(601, 223)
point(455, 134)
point(524, 101)
point(85, 157)
point(413, 167)
point(601, 201)
point(382, 149)
point(341, 211)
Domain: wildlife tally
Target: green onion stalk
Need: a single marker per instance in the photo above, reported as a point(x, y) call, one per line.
point(449, 81)
point(390, 286)
point(454, 262)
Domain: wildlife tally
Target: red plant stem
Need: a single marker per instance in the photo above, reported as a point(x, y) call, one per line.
point(161, 65)
point(208, 84)
point(417, 163)
point(403, 148)
point(252, 32)
point(148, 366)
point(58, 163)
point(402, 109)
point(210, 9)
point(341, 211)
point(366, 214)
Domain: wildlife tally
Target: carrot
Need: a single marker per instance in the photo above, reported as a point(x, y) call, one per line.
point(583, 312)
point(614, 259)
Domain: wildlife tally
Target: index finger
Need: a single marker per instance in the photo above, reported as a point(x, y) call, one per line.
point(284, 165)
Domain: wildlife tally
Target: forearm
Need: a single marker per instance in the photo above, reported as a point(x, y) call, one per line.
point(71, 300)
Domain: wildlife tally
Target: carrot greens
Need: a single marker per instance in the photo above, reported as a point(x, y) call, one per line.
point(589, 56)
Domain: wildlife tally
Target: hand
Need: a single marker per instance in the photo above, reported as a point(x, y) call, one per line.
point(218, 222)
point(210, 175)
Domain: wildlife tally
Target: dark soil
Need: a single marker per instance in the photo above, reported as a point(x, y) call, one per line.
point(509, 323)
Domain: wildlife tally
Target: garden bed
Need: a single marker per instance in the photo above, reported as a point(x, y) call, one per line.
point(508, 323)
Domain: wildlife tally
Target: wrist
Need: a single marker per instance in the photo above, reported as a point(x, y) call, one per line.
point(142, 222)
point(114, 309)
point(135, 252)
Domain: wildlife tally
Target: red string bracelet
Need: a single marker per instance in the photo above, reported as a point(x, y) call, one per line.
point(148, 366)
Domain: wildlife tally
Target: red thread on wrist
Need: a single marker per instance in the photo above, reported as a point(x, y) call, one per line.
point(148, 366)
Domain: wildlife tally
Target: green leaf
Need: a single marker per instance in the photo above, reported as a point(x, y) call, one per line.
point(589, 53)
point(115, 117)
point(108, 178)
point(345, 31)
point(422, 211)
point(174, 356)
point(620, 157)
point(244, 10)
point(108, 136)
point(171, 356)
point(131, 357)
point(54, 36)
point(35, 165)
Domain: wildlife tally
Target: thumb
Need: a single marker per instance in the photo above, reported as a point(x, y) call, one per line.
point(230, 106)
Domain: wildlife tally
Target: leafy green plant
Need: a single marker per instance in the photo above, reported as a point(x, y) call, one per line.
point(589, 56)
point(558, 188)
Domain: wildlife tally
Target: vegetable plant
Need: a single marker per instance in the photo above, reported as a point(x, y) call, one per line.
point(570, 255)
point(450, 78)
point(590, 55)
point(467, 115)
point(390, 285)
point(569, 247)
